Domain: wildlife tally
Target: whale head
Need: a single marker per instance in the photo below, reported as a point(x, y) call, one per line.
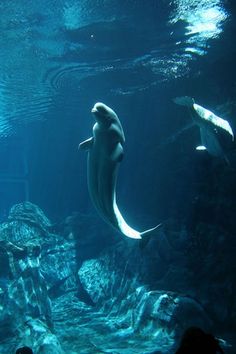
point(103, 114)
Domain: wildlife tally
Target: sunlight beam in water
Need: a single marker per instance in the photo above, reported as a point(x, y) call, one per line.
point(204, 20)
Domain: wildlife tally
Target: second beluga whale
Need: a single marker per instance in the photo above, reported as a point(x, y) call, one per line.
point(212, 128)
point(105, 152)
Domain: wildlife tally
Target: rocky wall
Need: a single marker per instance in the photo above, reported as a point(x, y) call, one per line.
point(130, 297)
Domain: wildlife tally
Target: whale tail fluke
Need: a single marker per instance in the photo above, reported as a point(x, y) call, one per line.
point(147, 235)
point(184, 101)
point(149, 232)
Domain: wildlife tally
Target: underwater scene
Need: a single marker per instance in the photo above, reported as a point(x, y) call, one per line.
point(118, 176)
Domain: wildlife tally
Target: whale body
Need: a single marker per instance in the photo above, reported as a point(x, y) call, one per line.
point(105, 152)
point(211, 126)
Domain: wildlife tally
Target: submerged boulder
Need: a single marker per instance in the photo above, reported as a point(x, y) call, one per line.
point(131, 307)
point(23, 289)
point(31, 214)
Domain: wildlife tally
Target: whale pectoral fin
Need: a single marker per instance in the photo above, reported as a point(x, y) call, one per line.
point(86, 144)
point(118, 153)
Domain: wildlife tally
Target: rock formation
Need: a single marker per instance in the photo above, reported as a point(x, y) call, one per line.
point(124, 298)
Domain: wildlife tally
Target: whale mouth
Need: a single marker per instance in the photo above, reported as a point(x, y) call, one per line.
point(98, 113)
point(99, 108)
point(94, 110)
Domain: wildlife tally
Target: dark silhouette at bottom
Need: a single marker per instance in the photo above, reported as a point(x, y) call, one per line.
point(195, 341)
point(24, 350)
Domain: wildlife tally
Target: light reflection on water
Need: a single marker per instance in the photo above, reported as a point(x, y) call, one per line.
point(36, 46)
point(204, 19)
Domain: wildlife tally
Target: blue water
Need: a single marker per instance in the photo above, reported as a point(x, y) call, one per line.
point(58, 58)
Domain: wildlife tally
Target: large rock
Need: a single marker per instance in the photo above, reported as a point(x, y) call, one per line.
point(23, 288)
point(120, 295)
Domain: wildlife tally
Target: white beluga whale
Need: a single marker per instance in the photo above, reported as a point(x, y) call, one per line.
point(105, 152)
point(211, 127)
